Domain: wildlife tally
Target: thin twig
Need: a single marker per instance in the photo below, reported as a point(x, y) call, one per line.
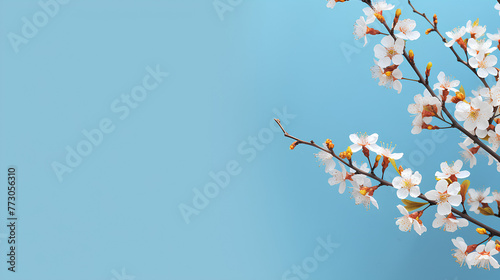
point(413, 80)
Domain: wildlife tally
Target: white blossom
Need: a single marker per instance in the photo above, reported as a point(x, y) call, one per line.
point(378, 8)
point(477, 198)
point(405, 27)
point(445, 196)
point(407, 183)
point(389, 51)
point(475, 114)
point(483, 256)
point(449, 223)
point(485, 64)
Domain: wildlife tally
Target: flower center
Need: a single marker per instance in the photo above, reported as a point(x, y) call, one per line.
point(391, 53)
point(474, 114)
point(443, 197)
point(407, 184)
point(484, 253)
point(363, 191)
point(481, 64)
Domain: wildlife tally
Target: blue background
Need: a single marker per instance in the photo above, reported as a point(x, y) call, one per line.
point(120, 207)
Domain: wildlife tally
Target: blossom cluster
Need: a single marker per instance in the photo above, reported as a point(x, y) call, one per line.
point(475, 114)
point(447, 194)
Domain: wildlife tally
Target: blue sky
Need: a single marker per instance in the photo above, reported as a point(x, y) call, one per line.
point(148, 103)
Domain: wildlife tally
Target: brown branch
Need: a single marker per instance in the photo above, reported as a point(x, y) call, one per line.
point(493, 232)
point(459, 59)
point(426, 84)
point(311, 143)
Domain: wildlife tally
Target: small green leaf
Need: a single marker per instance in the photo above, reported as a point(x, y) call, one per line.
point(395, 166)
point(413, 205)
point(462, 90)
point(487, 211)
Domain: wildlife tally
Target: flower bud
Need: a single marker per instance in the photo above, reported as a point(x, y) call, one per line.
point(396, 17)
point(481, 231)
point(329, 144)
point(435, 19)
point(428, 69)
point(428, 31)
point(411, 55)
point(380, 17)
point(458, 97)
point(294, 144)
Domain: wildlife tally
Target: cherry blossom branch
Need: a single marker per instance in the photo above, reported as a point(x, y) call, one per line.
point(487, 239)
point(311, 143)
point(441, 118)
point(446, 127)
point(382, 182)
point(459, 59)
point(425, 83)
